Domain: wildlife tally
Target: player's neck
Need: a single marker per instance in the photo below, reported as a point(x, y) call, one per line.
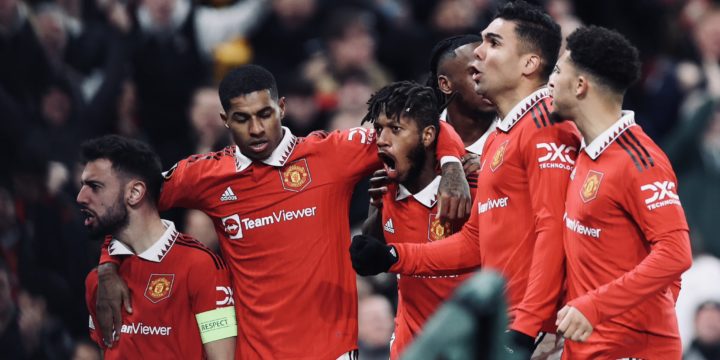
point(424, 177)
point(507, 100)
point(470, 127)
point(144, 229)
point(596, 116)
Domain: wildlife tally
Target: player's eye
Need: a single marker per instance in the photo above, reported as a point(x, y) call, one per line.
point(265, 114)
point(395, 129)
point(240, 118)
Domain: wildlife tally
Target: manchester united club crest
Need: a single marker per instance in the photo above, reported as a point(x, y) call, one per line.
point(590, 187)
point(497, 159)
point(437, 230)
point(295, 176)
point(159, 287)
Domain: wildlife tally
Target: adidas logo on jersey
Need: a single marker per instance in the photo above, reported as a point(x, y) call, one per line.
point(228, 195)
point(389, 226)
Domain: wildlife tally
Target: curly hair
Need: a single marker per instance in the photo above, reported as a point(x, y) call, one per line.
point(605, 54)
point(405, 98)
point(536, 30)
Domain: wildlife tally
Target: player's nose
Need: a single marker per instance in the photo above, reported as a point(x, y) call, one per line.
point(256, 127)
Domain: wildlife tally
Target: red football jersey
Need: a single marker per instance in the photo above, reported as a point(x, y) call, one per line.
point(172, 284)
point(410, 218)
point(518, 210)
point(626, 241)
point(284, 232)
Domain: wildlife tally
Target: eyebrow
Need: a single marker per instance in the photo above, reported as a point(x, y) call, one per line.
point(90, 182)
point(243, 113)
point(493, 36)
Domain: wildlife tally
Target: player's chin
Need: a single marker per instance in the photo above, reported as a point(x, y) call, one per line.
point(255, 154)
point(556, 117)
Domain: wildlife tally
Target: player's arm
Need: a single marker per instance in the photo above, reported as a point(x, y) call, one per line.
point(91, 282)
point(666, 231)
point(554, 145)
point(456, 254)
point(112, 295)
point(220, 349)
point(212, 302)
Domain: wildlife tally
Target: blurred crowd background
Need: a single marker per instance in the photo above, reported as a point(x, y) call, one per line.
point(148, 69)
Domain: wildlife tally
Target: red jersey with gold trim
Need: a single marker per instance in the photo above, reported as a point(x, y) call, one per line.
point(170, 283)
point(284, 231)
point(518, 210)
point(410, 218)
point(626, 240)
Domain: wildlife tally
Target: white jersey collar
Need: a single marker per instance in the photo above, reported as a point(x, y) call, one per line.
point(522, 108)
point(154, 253)
point(426, 196)
point(603, 141)
point(278, 157)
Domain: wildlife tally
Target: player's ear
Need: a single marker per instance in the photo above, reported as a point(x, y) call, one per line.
point(581, 86)
point(136, 192)
point(281, 105)
point(429, 134)
point(531, 64)
point(224, 118)
point(444, 84)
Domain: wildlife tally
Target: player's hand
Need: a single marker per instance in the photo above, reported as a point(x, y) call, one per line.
point(112, 293)
point(378, 187)
point(370, 256)
point(454, 200)
point(521, 346)
point(470, 163)
point(572, 324)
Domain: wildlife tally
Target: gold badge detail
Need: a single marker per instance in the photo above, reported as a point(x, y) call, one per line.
point(159, 287)
point(436, 229)
point(296, 176)
point(591, 185)
point(497, 159)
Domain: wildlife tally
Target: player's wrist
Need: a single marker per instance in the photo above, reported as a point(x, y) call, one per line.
point(107, 269)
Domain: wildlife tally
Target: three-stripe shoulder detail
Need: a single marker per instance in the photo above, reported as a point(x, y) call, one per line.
point(192, 243)
point(636, 150)
point(541, 115)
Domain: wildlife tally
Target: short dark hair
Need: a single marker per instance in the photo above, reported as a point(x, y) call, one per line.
point(128, 156)
point(245, 80)
point(536, 30)
point(405, 98)
point(605, 54)
point(443, 50)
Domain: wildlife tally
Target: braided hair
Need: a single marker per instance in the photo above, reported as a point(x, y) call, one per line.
point(443, 50)
point(405, 98)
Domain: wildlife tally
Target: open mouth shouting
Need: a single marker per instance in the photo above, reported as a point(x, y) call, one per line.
point(389, 164)
point(90, 217)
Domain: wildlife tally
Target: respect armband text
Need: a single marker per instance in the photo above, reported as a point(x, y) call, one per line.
point(217, 324)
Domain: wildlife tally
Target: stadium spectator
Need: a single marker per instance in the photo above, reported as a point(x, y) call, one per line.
point(375, 328)
point(706, 345)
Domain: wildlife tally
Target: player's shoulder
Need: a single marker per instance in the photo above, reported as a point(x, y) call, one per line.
point(215, 160)
point(195, 253)
point(640, 152)
point(360, 135)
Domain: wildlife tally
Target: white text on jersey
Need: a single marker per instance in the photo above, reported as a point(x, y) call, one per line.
point(492, 204)
point(581, 229)
point(141, 329)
